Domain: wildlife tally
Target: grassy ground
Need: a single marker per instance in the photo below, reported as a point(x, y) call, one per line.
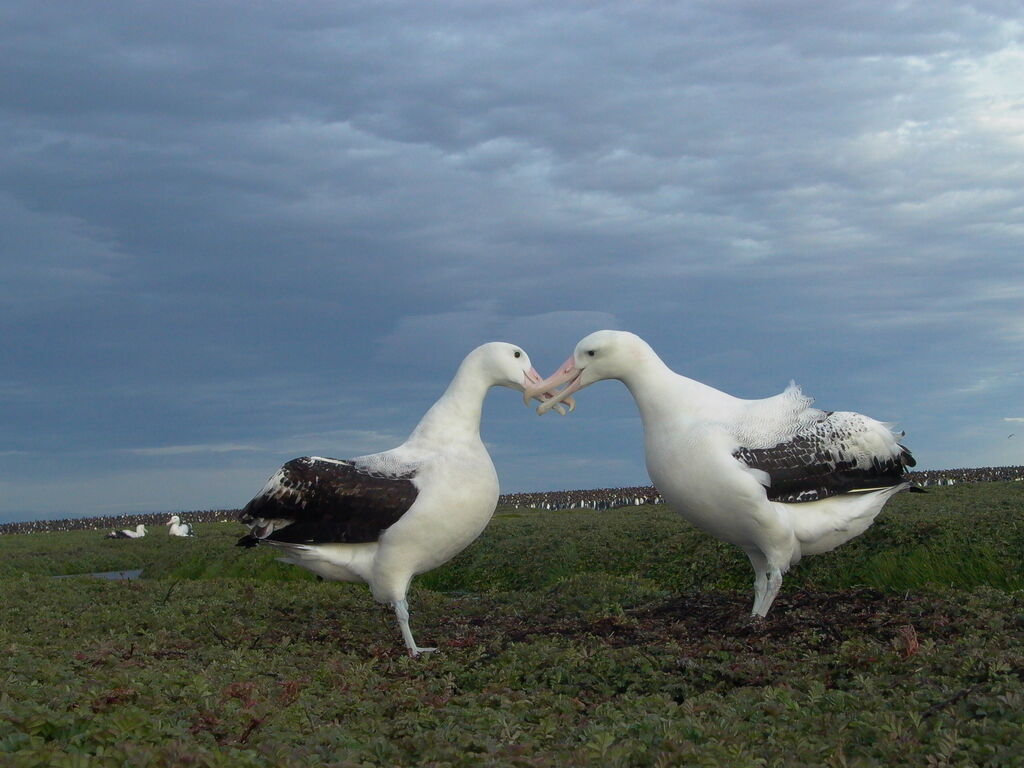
point(614, 638)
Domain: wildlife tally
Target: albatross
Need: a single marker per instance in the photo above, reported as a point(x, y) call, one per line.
point(177, 528)
point(138, 533)
point(383, 518)
point(776, 477)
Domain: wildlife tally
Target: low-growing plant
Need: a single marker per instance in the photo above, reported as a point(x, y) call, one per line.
point(631, 647)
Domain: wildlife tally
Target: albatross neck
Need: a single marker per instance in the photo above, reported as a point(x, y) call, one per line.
point(664, 396)
point(456, 414)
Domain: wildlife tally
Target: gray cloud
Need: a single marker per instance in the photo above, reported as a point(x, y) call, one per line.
point(224, 228)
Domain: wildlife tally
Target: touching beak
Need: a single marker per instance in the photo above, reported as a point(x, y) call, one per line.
point(533, 388)
point(567, 372)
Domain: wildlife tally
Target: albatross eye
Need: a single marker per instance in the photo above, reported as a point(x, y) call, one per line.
point(518, 353)
point(591, 352)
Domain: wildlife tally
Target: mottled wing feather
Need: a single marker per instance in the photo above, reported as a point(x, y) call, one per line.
point(825, 460)
point(316, 501)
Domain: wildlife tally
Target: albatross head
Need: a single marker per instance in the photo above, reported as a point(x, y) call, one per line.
point(601, 355)
point(508, 365)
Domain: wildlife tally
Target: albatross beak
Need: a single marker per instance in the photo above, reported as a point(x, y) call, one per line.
point(533, 389)
point(567, 372)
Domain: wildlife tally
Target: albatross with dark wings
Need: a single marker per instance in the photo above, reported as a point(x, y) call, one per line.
point(138, 533)
point(383, 518)
point(775, 477)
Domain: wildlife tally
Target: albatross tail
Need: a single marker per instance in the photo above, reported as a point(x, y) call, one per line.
point(334, 562)
point(821, 526)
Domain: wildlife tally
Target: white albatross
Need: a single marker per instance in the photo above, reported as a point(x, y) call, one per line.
point(138, 533)
point(776, 477)
point(177, 528)
point(383, 518)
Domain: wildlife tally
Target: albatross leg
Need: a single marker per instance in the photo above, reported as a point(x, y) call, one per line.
point(767, 580)
point(760, 566)
point(402, 613)
point(774, 583)
point(760, 586)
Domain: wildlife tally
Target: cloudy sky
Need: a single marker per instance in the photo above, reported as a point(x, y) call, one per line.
point(232, 233)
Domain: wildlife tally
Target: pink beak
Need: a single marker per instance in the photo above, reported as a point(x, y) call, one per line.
point(567, 372)
point(533, 388)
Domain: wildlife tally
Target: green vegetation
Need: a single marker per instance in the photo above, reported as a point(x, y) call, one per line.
point(572, 638)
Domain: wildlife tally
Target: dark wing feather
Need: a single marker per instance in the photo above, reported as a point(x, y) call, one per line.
point(816, 464)
point(315, 501)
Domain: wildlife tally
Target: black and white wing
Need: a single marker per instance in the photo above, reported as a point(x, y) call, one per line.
point(313, 500)
point(842, 452)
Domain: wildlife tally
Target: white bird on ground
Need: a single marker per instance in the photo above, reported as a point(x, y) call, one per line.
point(776, 477)
point(383, 518)
point(177, 528)
point(138, 533)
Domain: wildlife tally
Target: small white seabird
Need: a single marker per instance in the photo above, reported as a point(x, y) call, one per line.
point(138, 533)
point(177, 528)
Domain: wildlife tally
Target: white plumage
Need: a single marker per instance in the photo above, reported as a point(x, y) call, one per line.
point(383, 518)
point(138, 533)
point(177, 528)
point(776, 477)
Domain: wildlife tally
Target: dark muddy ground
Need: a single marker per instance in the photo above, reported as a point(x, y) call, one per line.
point(815, 619)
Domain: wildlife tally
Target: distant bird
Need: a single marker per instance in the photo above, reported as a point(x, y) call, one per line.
point(383, 518)
point(177, 528)
point(138, 533)
point(1010, 435)
point(775, 477)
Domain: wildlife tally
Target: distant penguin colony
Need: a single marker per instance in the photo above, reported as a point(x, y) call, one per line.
point(582, 498)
